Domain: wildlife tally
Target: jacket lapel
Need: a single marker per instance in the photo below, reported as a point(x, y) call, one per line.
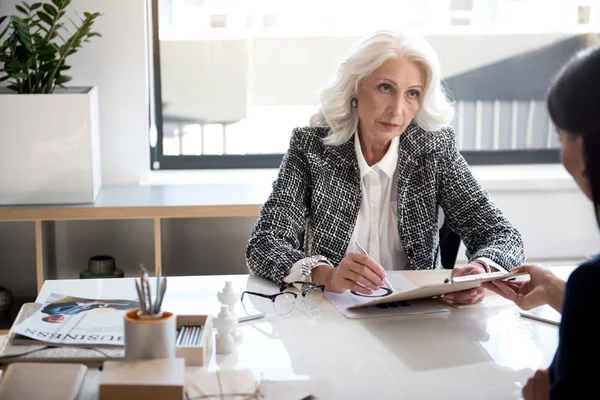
point(343, 165)
point(408, 153)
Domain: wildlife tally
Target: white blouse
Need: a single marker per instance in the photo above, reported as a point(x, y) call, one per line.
point(376, 228)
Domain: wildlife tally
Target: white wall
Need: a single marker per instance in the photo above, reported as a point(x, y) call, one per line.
point(117, 63)
point(556, 224)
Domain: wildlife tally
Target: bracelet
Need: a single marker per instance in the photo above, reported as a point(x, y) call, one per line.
point(311, 262)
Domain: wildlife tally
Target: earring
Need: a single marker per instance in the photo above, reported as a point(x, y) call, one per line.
point(354, 103)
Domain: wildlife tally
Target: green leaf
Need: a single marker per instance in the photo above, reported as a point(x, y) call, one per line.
point(22, 33)
point(93, 34)
point(63, 79)
point(21, 9)
point(35, 6)
point(2, 18)
point(50, 10)
point(18, 21)
point(4, 31)
point(48, 67)
point(45, 17)
point(58, 3)
point(47, 57)
point(48, 47)
point(4, 78)
point(13, 87)
point(27, 5)
point(38, 39)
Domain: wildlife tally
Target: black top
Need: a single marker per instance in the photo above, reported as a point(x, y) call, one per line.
point(574, 368)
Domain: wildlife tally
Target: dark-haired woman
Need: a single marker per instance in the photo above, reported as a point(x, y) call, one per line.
point(574, 107)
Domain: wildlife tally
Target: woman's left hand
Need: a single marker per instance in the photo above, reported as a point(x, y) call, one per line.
point(470, 296)
point(537, 387)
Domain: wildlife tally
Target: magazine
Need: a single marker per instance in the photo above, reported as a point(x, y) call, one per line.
point(68, 320)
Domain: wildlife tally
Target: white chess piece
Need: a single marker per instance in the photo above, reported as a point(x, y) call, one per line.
point(231, 298)
point(225, 323)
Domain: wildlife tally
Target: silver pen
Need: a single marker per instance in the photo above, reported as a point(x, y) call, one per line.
point(363, 251)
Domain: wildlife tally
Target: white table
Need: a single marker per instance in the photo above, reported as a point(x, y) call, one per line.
point(484, 351)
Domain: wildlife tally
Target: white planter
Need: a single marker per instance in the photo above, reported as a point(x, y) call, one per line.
point(49, 147)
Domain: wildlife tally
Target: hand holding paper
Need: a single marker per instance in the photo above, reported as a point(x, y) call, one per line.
point(543, 288)
point(470, 296)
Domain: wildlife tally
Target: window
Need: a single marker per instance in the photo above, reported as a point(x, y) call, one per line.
point(234, 77)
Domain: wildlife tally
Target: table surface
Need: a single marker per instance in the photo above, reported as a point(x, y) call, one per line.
point(474, 352)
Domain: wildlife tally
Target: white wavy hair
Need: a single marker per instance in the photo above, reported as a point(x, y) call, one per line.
point(368, 55)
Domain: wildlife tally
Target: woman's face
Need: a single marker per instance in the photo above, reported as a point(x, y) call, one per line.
point(572, 158)
point(389, 98)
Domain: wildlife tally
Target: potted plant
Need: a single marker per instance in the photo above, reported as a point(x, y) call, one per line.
point(50, 143)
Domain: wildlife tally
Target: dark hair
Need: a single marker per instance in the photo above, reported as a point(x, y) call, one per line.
point(574, 107)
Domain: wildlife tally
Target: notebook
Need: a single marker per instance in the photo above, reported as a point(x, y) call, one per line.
point(42, 381)
point(435, 290)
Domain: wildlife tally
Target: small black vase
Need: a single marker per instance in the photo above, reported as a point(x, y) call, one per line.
point(101, 267)
point(6, 300)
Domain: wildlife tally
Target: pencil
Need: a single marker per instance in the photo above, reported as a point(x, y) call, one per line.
point(363, 251)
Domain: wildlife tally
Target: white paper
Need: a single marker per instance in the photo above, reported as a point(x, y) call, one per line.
point(543, 313)
point(400, 284)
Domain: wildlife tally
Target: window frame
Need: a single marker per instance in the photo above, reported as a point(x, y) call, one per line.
point(159, 161)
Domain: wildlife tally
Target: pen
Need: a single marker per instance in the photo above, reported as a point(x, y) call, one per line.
point(363, 251)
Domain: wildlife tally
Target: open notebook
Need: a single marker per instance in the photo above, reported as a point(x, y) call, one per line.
point(435, 290)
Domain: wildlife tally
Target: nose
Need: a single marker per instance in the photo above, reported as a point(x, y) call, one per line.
point(396, 107)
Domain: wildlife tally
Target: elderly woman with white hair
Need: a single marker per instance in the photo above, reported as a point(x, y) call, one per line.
point(374, 168)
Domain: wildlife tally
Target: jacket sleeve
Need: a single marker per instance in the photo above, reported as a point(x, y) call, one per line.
point(277, 238)
point(485, 231)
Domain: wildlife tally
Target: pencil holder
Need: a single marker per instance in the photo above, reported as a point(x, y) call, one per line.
point(149, 337)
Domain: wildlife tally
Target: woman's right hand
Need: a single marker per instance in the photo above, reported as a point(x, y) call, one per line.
point(543, 287)
point(356, 272)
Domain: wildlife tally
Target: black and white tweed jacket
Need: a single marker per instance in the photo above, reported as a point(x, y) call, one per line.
point(316, 198)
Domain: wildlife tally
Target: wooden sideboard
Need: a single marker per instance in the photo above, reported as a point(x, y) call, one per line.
point(138, 202)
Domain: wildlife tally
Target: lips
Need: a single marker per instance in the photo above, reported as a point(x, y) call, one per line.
point(389, 125)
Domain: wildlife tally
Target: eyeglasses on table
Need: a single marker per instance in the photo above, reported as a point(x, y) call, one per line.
point(285, 301)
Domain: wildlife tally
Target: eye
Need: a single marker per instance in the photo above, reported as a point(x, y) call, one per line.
point(413, 94)
point(386, 87)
